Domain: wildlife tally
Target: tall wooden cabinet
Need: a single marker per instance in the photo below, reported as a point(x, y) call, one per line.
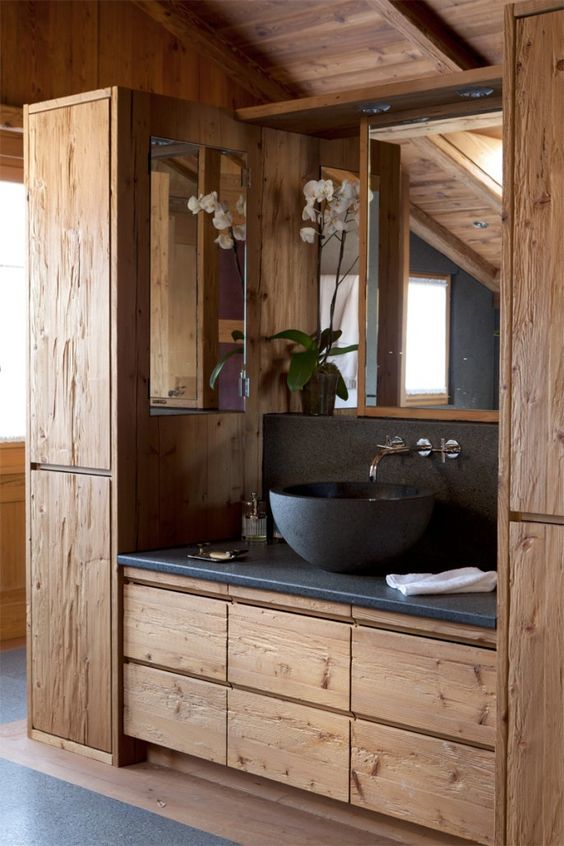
point(530, 780)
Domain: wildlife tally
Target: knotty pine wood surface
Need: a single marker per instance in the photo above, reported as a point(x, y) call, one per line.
point(444, 688)
point(70, 607)
point(445, 785)
point(184, 713)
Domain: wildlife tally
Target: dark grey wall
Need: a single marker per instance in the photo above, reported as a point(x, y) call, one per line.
point(474, 344)
point(463, 527)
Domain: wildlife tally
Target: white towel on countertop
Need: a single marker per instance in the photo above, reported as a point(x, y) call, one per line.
point(463, 580)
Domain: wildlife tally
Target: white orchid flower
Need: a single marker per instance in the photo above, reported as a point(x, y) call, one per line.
point(307, 234)
point(318, 190)
point(241, 206)
point(309, 213)
point(222, 219)
point(209, 202)
point(194, 204)
point(240, 232)
point(225, 241)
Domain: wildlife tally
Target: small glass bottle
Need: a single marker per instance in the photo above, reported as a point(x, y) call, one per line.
point(253, 525)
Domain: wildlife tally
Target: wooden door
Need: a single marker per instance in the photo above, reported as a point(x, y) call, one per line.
point(68, 177)
point(70, 607)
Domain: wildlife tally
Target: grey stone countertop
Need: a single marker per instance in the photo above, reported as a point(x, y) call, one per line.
point(277, 568)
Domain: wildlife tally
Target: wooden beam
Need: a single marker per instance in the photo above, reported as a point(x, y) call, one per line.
point(453, 248)
point(450, 159)
point(11, 118)
point(407, 128)
point(181, 20)
point(423, 28)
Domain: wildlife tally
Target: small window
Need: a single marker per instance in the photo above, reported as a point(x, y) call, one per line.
point(12, 311)
point(427, 339)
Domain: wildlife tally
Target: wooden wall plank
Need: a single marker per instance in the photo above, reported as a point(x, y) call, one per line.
point(70, 607)
point(69, 263)
point(12, 540)
point(537, 409)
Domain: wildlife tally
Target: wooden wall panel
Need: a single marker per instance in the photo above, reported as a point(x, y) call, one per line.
point(72, 47)
point(537, 409)
point(12, 540)
point(69, 265)
point(535, 745)
point(70, 607)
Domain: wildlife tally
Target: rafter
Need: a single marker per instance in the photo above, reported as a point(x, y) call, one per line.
point(181, 20)
point(451, 160)
point(421, 26)
point(410, 126)
point(460, 253)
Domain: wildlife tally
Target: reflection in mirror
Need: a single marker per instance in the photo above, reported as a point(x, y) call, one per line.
point(345, 317)
point(198, 267)
point(434, 252)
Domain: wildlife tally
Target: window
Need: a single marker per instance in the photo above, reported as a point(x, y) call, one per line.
point(12, 311)
point(427, 339)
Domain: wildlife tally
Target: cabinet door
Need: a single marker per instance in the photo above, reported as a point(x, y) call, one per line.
point(537, 255)
point(444, 688)
point(68, 173)
point(70, 607)
point(290, 654)
point(301, 746)
point(431, 782)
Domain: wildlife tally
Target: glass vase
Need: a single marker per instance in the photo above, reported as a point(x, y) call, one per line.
point(318, 395)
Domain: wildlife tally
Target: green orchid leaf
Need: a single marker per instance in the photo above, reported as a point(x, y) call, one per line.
point(296, 336)
point(327, 338)
point(220, 365)
point(237, 335)
point(342, 391)
point(342, 350)
point(302, 366)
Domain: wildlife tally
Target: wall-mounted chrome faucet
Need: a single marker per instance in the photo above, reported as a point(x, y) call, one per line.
point(397, 446)
point(393, 446)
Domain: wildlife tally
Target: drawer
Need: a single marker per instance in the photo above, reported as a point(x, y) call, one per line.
point(436, 783)
point(176, 630)
point(290, 654)
point(440, 687)
point(295, 744)
point(175, 711)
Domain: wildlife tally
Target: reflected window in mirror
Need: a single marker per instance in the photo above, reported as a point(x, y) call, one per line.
point(437, 213)
point(427, 340)
point(198, 273)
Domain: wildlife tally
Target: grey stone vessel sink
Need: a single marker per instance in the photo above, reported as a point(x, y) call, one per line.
point(351, 527)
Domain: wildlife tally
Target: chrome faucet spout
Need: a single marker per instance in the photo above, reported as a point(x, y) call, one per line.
point(393, 446)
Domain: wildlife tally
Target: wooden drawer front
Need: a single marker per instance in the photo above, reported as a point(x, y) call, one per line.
point(444, 688)
point(290, 654)
point(436, 783)
point(176, 630)
point(181, 713)
point(295, 744)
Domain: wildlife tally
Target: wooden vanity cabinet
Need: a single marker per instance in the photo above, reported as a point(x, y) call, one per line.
point(316, 697)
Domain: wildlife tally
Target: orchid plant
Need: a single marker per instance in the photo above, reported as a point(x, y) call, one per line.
point(230, 234)
point(332, 212)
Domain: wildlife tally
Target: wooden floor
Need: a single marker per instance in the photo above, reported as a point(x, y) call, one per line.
point(251, 811)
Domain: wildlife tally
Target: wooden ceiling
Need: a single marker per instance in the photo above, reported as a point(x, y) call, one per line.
point(280, 50)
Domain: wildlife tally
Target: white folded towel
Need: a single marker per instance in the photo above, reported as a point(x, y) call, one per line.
point(463, 580)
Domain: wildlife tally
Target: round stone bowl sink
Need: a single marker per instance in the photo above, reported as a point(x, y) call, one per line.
point(351, 527)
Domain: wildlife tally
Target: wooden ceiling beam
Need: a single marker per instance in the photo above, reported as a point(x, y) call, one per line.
point(423, 28)
point(11, 118)
point(409, 124)
point(451, 160)
point(434, 234)
point(181, 20)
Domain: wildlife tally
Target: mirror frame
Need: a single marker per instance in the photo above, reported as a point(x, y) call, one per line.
point(363, 410)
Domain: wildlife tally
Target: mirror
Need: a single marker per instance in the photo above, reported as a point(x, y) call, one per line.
point(432, 265)
point(198, 273)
